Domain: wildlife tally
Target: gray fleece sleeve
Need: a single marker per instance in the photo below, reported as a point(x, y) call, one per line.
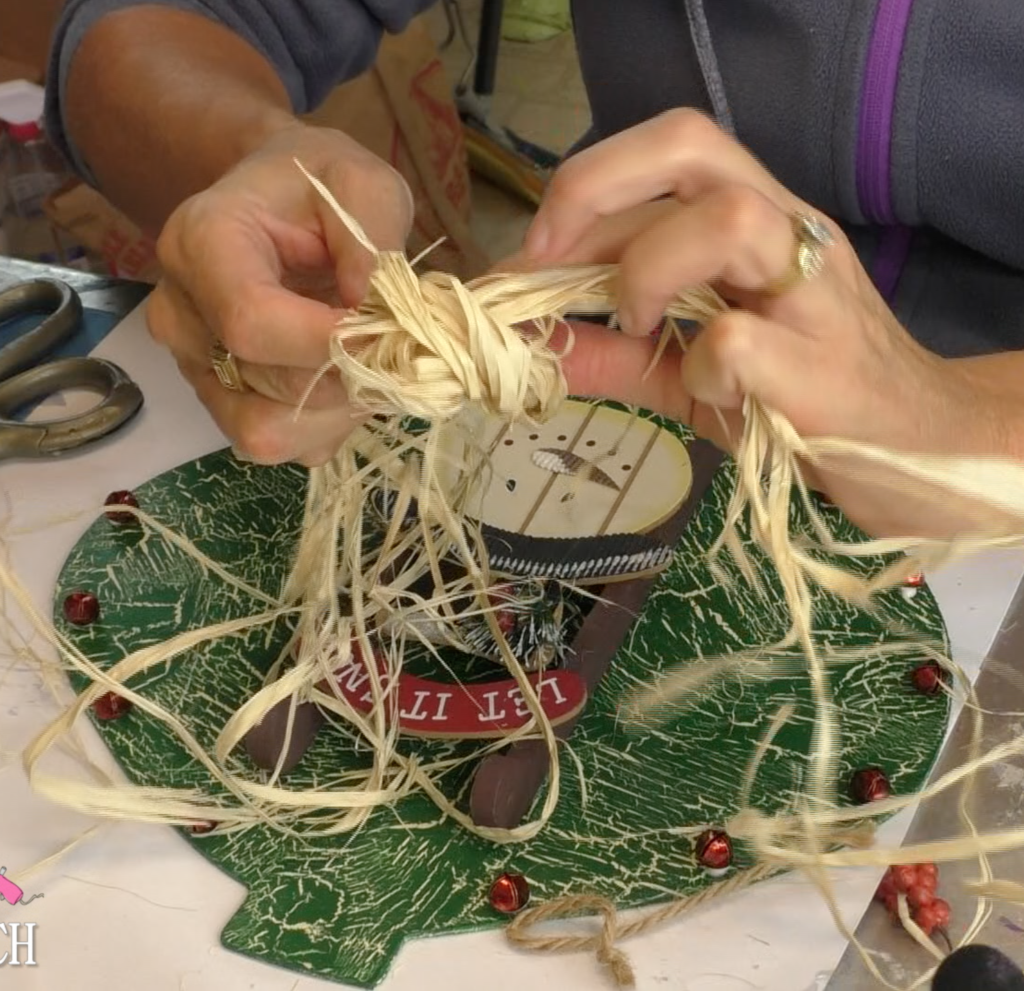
point(313, 44)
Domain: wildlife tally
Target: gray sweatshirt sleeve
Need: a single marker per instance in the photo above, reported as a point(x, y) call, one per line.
point(313, 44)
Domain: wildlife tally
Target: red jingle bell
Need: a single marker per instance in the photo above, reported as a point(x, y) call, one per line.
point(509, 893)
point(870, 784)
point(911, 585)
point(111, 706)
point(714, 849)
point(506, 620)
point(927, 678)
point(121, 498)
point(202, 828)
point(81, 608)
point(504, 615)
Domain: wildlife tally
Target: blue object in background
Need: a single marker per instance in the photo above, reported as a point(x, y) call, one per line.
point(95, 326)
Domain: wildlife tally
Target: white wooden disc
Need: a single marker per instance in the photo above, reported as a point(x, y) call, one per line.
point(649, 466)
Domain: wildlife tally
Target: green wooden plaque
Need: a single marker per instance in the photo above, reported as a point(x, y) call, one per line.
point(341, 908)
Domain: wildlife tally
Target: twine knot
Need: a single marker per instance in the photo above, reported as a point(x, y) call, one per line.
point(602, 942)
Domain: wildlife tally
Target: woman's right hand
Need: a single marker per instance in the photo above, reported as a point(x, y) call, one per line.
point(259, 264)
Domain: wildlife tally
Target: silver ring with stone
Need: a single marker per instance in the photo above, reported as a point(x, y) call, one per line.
point(812, 238)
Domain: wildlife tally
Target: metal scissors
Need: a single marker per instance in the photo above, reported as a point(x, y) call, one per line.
point(26, 377)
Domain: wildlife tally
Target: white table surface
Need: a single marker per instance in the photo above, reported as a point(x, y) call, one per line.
point(135, 909)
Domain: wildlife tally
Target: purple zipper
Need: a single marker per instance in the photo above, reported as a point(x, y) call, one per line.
point(877, 102)
point(874, 140)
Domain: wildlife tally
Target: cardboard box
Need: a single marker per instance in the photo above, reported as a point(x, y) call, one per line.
point(404, 111)
point(25, 30)
point(106, 232)
point(12, 70)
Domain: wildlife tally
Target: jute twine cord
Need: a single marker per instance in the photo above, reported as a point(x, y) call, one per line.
point(604, 943)
point(431, 347)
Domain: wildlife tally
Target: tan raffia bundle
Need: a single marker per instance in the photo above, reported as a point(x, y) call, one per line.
point(431, 347)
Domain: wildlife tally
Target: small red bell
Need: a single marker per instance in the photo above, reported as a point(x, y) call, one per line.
point(81, 608)
point(870, 784)
point(501, 598)
point(121, 498)
point(714, 849)
point(911, 585)
point(927, 678)
point(509, 893)
point(506, 620)
point(202, 828)
point(111, 706)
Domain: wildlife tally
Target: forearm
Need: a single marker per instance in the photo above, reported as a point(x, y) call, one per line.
point(160, 102)
point(988, 397)
point(971, 408)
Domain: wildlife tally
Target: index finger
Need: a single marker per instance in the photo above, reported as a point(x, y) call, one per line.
point(680, 153)
point(233, 277)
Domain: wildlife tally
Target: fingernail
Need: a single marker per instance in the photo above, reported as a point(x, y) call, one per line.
point(240, 455)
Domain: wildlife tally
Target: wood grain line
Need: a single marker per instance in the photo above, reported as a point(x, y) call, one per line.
point(498, 437)
point(629, 481)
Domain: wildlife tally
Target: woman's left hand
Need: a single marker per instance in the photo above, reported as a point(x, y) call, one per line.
point(676, 202)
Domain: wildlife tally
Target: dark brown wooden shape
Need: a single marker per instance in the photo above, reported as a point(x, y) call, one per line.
point(265, 741)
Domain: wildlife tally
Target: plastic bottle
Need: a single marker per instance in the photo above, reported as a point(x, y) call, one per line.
point(34, 171)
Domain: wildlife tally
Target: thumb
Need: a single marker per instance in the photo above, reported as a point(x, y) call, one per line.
point(609, 365)
point(378, 198)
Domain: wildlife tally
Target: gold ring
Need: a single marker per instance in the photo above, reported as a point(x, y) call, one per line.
point(812, 238)
point(226, 368)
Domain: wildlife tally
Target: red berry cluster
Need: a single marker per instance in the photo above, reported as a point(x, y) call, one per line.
point(919, 883)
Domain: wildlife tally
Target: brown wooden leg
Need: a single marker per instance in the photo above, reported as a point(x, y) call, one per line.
point(265, 741)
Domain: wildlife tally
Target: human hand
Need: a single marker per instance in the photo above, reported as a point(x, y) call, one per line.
point(259, 263)
point(676, 202)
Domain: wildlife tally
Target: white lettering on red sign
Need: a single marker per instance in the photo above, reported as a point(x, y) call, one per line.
point(491, 716)
point(352, 676)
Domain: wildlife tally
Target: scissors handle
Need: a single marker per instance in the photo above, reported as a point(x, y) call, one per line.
point(122, 399)
point(64, 312)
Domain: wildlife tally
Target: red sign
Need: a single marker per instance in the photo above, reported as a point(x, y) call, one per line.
point(441, 709)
